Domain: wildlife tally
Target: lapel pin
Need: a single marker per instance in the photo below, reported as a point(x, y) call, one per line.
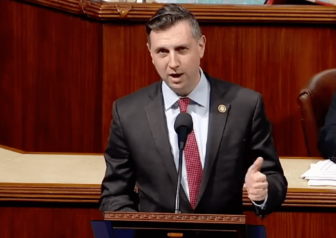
point(222, 108)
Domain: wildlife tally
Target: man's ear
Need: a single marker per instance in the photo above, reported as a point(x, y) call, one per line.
point(201, 45)
point(149, 49)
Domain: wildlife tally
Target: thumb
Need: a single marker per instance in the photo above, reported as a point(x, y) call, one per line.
point(256, 166)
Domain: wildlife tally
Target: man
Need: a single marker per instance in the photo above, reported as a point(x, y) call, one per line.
point(327, 137)
point(230, 145)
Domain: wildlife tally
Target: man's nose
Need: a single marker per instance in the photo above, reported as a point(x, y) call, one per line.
point(174, 61)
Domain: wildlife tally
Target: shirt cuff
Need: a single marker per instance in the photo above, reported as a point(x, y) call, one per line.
point(261, 206)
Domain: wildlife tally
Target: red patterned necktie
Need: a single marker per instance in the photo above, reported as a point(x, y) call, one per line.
point(192, 159)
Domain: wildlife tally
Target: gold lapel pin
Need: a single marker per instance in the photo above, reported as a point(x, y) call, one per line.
point(222, 108)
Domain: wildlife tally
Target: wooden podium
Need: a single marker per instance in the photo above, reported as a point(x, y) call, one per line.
point(171, 224)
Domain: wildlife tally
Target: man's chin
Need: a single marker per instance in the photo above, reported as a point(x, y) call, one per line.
point(181, 91)
point(176, 80)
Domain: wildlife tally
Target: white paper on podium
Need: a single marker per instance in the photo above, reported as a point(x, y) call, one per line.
point(313, 182)
point(323, 173)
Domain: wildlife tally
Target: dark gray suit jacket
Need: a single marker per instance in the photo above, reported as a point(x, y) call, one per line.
point(139, 152)
point(327, 137)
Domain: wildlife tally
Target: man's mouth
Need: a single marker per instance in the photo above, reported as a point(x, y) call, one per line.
point(175, 75)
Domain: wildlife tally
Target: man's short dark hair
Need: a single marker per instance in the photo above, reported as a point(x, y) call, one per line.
point(168, 16)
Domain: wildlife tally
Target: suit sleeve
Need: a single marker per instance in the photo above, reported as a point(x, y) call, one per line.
point(327, 136)
point(261, 145)
point(119, 181)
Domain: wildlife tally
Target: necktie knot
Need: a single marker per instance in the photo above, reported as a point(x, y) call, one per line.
point(183, 104)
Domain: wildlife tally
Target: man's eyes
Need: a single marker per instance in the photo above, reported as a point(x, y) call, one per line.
point(165, 52)
point(182, 49)
point(162, 51)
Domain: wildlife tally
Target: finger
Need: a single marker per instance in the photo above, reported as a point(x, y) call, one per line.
point(263, 185)
point(259, 177)
point(256, 166)
point(257, 192)
point(257, 198)
point(260, 196)
point(256, 181)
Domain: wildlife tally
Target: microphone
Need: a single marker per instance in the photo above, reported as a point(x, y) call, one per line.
point(183, 126)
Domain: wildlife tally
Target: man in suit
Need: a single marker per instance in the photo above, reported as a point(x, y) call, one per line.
point(327, 137)
point(230, 145)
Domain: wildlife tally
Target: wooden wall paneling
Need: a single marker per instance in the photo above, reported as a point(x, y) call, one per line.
point(71, 6)
point(10, 76)
point(48, 193)
point(106, 11)
point(49, 220)
point(90, 193)
point(276, 61)
point(127, 65)
point(68, 220)
point(274, 14)
point(58, 61)
point(65, 210)
point(293, 224)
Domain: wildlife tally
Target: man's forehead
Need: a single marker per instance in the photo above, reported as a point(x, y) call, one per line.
point(176, 35)
point(173, 43)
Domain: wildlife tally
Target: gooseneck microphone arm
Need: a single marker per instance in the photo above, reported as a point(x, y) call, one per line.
point(179, 175)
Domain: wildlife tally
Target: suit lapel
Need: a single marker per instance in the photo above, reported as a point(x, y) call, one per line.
point(217, 122)
point(158, 126)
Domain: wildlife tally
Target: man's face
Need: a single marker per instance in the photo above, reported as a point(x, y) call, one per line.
point(176, 55)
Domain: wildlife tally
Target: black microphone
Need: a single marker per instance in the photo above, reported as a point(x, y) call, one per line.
point(183, 126)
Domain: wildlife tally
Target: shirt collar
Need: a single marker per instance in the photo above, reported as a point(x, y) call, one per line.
point(197, 95)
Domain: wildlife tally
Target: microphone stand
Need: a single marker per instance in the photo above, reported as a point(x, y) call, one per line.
point(177, 198)
point(183, 126)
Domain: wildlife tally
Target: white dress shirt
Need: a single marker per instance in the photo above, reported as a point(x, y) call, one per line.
point(199, 111)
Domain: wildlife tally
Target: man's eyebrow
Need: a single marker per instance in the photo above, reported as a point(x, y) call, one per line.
point(160, 48)
point(181, 46)
point(175, 47)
